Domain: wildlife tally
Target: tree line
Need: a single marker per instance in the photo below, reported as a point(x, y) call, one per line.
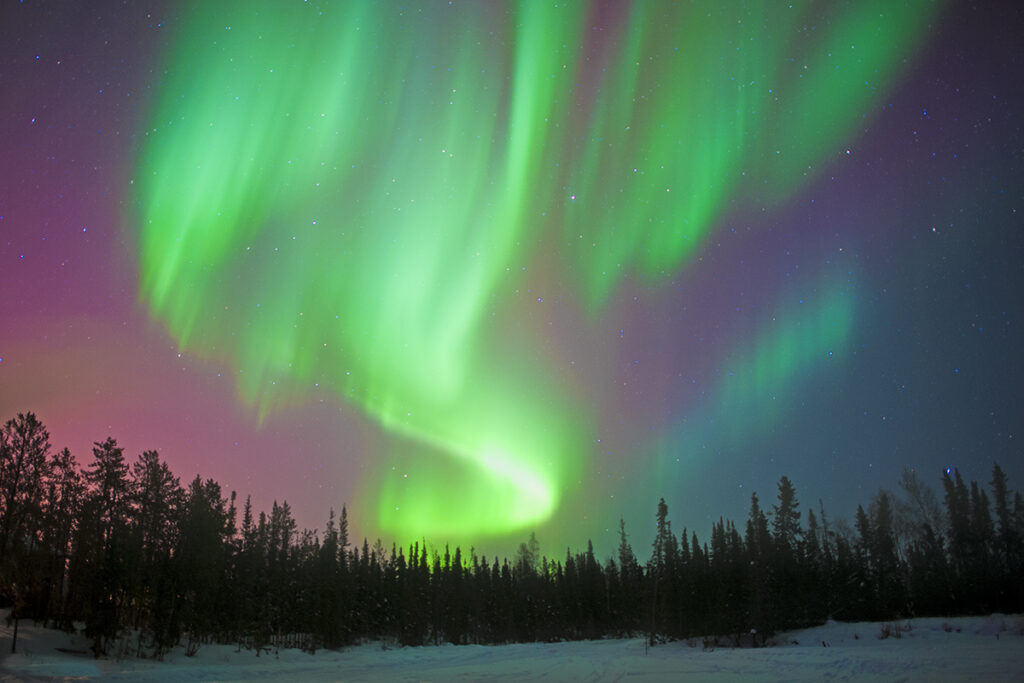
point(149, 564)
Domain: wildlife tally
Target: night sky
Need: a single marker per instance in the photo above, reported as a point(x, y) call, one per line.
point(481, 269)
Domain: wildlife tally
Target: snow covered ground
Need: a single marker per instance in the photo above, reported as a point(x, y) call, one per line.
point(968, 648)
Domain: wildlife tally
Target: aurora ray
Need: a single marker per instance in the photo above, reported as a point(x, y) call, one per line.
point(700, 104)
point(343, 194)
point(757, 383)
point(313, 232)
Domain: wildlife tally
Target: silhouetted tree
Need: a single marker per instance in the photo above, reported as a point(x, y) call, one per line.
point(759, 556)
point(116, 550)
point(106, 544)
point(201, 562)
point(787, 540)
point(158, 500)
point(958, 512)
point(64, 491)
point(24, 447)
point(628, 586)
point(886, 571)
point(813, 598)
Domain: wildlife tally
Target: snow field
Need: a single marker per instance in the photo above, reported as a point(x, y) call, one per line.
point(965, 648)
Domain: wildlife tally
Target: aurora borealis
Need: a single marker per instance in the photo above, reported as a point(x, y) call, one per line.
point(483, 269)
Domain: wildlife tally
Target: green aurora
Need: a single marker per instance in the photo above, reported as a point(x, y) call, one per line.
point(346, 195)
point(759, 383)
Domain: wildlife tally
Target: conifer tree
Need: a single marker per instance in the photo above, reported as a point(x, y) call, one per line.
point(866, 598)
point(958, 512)
point(660, 569)
point(328, 586)
point(157, 500)
point(24, 447)
point(1007, 542)
point(787, 534)
point(814, 607)
point(629, 587)
point(201, 561)
point(116, 550)
point(885, 566)
point(104, 566)
point(759, 553)
point(981, 548)
point(64, 491)
point(787, 539)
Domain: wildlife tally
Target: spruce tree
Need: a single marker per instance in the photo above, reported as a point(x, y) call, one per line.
point(866, 599)
point(759, 554)
point(814, 606)
point(981, 544)
point(660, 570)
point(1005, 533)
point(787, 540)
point(106, 578)
point(157, 500)
point(201, 559)
point(629, 589)
point(958, 514)
point(24, 448)
point(886, 570)
point(328, 587)
point(64, 491)
point(787, 534)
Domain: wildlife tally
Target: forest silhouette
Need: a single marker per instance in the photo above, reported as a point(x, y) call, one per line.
point(149, 564)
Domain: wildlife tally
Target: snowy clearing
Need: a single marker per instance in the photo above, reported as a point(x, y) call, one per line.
point(934, 649)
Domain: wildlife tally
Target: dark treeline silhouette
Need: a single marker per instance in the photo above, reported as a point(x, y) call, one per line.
point(148, 564)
